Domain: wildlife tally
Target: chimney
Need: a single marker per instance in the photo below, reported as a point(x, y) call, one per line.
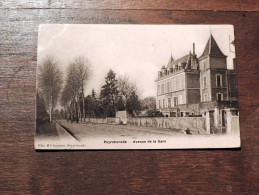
point(193, 46)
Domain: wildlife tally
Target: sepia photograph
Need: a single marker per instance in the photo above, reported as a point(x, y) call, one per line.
point(107, 86)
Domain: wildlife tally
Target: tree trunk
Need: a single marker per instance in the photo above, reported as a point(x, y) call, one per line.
point(50, 109)
point(83, 98)
point(50, 114)
point(76, 109)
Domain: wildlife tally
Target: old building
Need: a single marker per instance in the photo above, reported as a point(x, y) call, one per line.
point(178, 83)
point(192, 86)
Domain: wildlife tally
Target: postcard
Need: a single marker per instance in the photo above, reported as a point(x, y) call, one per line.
point(122, 86)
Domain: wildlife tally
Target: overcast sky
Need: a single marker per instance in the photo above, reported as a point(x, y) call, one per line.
point(137, 50)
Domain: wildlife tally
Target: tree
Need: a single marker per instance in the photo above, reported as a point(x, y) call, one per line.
point(148, 103)
point(109, 94)
point(66, 96)
point(98, 111)
point(93, 94)
point(82, 75)
point(88, 106)
point(78, 73)
point(133, 103)
point(41, 112)
point(50, 82)
point(62, 113)
point(70, 91)
point(56, 114)
point(126, 87)
point(120, 104)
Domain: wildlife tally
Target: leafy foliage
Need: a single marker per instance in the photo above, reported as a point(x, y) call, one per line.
point(148, 103)
point(41, 112)
point(133, 103)
point(50, 82)
point(78, 73)
point(109, 94)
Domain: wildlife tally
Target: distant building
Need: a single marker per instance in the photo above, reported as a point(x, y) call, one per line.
point(192, 86)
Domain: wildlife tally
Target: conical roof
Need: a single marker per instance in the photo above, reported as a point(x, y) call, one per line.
point(212, 49)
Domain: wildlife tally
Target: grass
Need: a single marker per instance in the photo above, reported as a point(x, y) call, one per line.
point(46, 130)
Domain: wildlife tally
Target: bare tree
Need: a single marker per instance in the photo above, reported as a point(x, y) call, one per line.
point(78, 73)
point(67, 95)
point(148, 103)
point(83, 74)
point(50, 82)
point(126, 87)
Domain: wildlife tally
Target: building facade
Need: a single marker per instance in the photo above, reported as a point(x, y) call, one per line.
point(194, 86)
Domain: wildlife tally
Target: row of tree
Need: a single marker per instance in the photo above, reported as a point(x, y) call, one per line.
point(49, 86)
point(116, 94)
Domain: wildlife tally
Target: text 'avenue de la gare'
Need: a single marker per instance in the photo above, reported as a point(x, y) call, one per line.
point(135, 142)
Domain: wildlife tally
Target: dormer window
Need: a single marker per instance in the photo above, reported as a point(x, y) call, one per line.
point(183, 65)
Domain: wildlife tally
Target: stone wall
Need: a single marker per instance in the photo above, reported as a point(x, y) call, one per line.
point(233, 125)
point(97, 120)
point(193, 123)
point(108, 120)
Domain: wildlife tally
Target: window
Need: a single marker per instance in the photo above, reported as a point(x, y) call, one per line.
point(204, 82)
point(169, 102)
point(219, 97)
point(218, 80)
point(175, 101)
point(180, 99)
point(179, 82)
point(159, 103)
point(205, 97)
point(159, 89)
point(168, 87)
point(162, 89)
point(163, 103)
point(183, 82)
point(174, 85)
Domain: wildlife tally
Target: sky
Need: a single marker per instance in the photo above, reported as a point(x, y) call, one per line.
point(136, 50)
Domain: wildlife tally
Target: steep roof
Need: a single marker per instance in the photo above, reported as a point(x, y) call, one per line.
point(212, 49)
point(183, 59)
point(170, 60)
